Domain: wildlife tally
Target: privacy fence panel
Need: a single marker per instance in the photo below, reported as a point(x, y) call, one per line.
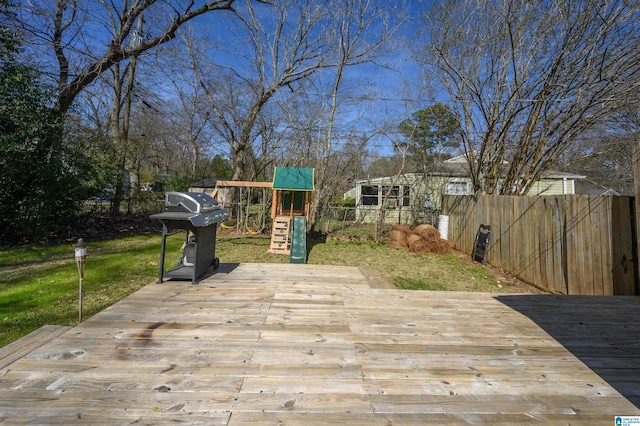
point(577, 244)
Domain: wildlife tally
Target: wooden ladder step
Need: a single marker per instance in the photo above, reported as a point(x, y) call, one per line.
point(32, 341)
point(281, 235)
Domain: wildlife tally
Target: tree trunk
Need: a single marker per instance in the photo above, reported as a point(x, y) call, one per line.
point(121, 132)
point(116, 134)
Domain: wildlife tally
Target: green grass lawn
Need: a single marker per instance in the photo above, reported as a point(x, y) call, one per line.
point(39, 284)
point(404, 269)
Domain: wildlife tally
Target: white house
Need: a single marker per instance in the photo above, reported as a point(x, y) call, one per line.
point(408, 197)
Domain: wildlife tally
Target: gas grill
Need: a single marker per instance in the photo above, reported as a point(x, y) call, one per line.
point(198, 215)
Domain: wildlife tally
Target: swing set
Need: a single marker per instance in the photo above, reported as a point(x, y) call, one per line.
point(290, 197)
point(244, 214)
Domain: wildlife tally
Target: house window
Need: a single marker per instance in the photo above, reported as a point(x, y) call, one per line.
point(369, 195)
point(392, 195)
point(396, 195)
point(406, 197)
point(457, 188)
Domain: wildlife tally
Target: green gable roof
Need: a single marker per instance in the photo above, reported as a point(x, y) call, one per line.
point(293, 178)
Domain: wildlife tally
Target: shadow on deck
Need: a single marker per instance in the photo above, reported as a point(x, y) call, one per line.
point(602, 332)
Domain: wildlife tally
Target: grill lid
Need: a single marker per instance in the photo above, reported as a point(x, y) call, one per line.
point(189, 202)
point(196, 219)
point(196, 207)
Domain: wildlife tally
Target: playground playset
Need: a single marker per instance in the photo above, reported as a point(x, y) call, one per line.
point(290, 208)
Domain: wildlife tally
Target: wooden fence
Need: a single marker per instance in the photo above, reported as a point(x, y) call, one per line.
point(576, 244)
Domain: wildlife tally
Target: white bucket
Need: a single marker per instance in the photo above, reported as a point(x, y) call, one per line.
point(443, 226)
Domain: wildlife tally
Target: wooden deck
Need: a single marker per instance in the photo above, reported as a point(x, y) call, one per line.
point(308, 344)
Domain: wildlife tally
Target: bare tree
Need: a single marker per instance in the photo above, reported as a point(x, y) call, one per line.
point(162, 147)
point(401, 150)
point(76, 42)
point(304, 115)
point(72, 30)
point(123, 82)
point(191, 112)
point(605, 159)
point(360, 31)
point(528, 78)
point(277, 48)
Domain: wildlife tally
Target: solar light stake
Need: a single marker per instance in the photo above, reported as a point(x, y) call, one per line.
point(81, 257)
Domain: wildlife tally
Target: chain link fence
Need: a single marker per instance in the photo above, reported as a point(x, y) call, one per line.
point(341, 222)
point(134, 205)
point(354, 223)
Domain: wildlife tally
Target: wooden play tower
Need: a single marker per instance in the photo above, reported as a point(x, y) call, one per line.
point(292, 188)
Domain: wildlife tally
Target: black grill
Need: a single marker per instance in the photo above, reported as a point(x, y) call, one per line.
point(197, 214)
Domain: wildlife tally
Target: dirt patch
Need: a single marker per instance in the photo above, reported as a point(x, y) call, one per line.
point(509, 281)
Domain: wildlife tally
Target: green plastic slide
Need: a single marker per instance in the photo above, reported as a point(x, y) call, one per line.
point(299, 240)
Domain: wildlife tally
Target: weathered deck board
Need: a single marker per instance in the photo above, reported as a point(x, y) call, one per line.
point(309, 344)
point(28, 343)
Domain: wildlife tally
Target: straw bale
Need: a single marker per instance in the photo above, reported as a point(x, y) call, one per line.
point(402, 228)
point(398, 239)
point(444, 246)
point(422, 245)
point(412, 238)
point(427, 232)
point(419, 245)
